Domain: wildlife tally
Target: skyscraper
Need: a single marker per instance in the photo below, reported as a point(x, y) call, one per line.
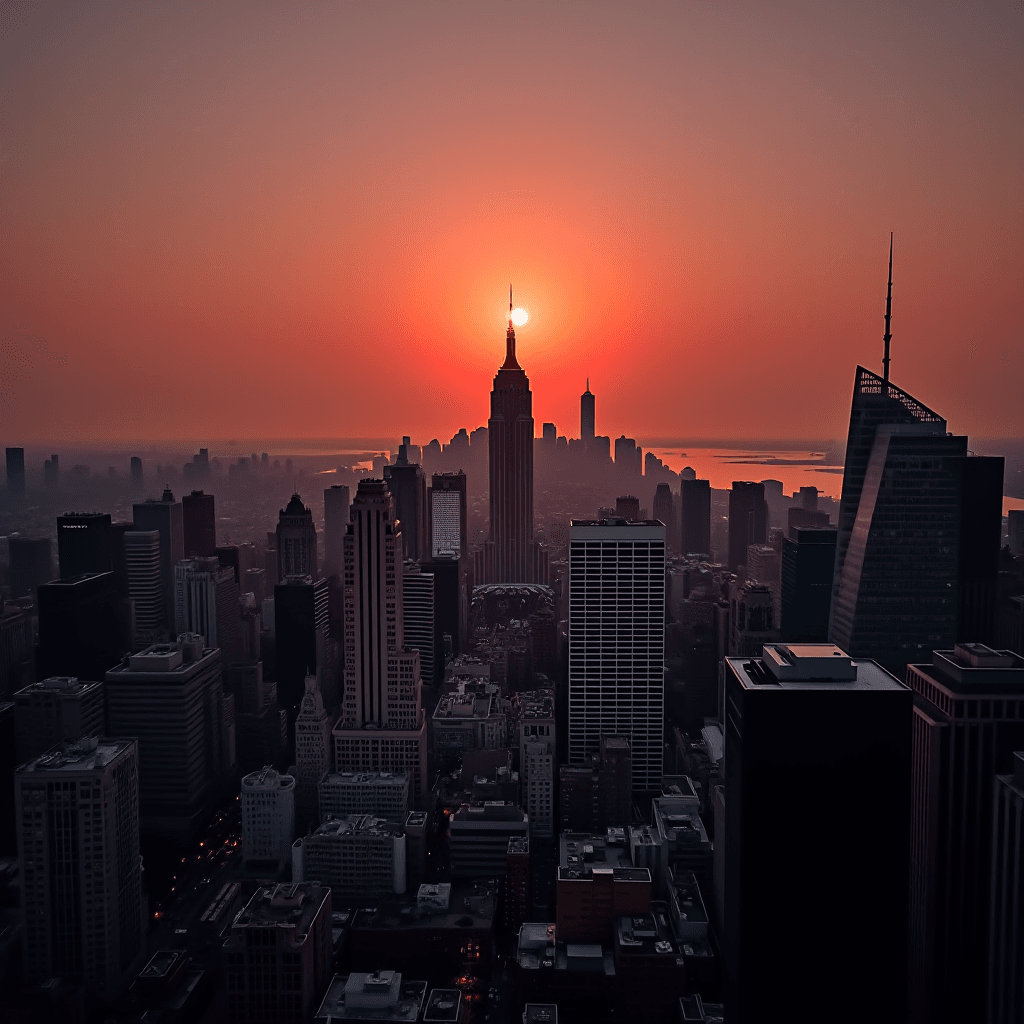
point(165, 517)
point(895, 597)
point(419, 619)
point(808, 561)
point(302, 629)
point(206, 602)
point(968, 721)
point(83, 543)
point(448, 522)
point(510, 554)
point(587, 419)
point(78, 844)
point(617, 641)
point(55, 709)
point(748, 520)
point(296, 541)
point(408, 487)
point(145, 585)
point(664, 511)
point(695, 499)
point(843, 727)
point(382, 723)
point(628, 507)
point(30, 564)
point(336, 503)
point(312, 755)
point(15, 473)
point(199, 524)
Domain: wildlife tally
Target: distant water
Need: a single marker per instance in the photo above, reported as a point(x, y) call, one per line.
point(795, 469)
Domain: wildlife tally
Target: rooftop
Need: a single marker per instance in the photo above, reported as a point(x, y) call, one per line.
point(373, 996)
point(292, 906)
point(85, 754)
point(810, 667)
point(465, 706)
point(382, 779)
point(58, 684)
point(267, 777)
point(645, 934)
point(443, 1005)
point(470, 904)
point(978, 668)
point(363, 824)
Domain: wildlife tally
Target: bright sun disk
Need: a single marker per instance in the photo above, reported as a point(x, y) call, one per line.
point(519, 317)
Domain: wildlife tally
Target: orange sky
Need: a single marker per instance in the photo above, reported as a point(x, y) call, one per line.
point(229, 220)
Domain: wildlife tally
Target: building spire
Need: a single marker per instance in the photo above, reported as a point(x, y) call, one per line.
point(887, 337)
point(510, 340)
point(588, 385)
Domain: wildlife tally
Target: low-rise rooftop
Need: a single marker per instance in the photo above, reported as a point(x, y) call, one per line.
point(810, 667)
point(85, 754)
point(372, 996)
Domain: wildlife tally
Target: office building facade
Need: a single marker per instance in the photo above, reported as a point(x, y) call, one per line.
point(695, 499)
point(83, 543)
point(617, 641)
point(268, 817)
point(296, 541)
point(165, 517)
point(448, 516)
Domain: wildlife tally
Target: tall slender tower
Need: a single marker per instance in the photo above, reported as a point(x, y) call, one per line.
point(587, 418)
point(510, 555)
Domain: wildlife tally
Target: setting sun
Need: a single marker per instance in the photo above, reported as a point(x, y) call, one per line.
point(519, 316)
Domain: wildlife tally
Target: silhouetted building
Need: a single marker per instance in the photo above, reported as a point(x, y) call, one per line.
point(808, 561)
point(748, 520)
point(408, 487)
point(142, 565)
point(628, 507)
point(83, 543)
point(979, 482)
point(336, 505)
point(448, 516)
point(81, 870)
point(16, 649)
point(58, 708)
point(895, 597)
point(15, 473)
point(968, 721)
point(136, 473)
point(628, 456)
point(382, 724)
point(296, 541)
point(1006, 902)
point(843, 727)
point(302, 630)
point(30, 565)
point(451, 600)
point(510, 554)
point(83, 627)
point(587, 419)
point(165, 517)
point(51, 472)
point(170, 697)
point(278, 954)
point(665, 512)
point(695, 499)
point(617, 663)
point(199, 524)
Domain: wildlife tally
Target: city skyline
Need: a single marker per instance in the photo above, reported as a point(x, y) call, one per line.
point(736, 203)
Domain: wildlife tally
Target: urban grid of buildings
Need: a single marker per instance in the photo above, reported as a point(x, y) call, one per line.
point(695, 755)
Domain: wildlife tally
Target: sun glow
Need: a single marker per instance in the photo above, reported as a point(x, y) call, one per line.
point(519, 316)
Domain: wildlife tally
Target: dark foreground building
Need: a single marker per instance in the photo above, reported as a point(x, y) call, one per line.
point(822, 912)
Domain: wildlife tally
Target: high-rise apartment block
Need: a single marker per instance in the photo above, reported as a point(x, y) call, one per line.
point(81, 871)
point(268, 817)
point(199, 524)
point(170, 697)
point(277, 957)
point(448, 515)
point(57, 708)
point(968, 722)
point(748, 520)
point(296, 541)
point(843, 727)
point(336, 505)
point(617, 641)
point(83, 543)
point(165, 517)
point(382, 724)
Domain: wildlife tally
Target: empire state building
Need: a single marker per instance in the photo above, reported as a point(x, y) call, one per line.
point(510, 554)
